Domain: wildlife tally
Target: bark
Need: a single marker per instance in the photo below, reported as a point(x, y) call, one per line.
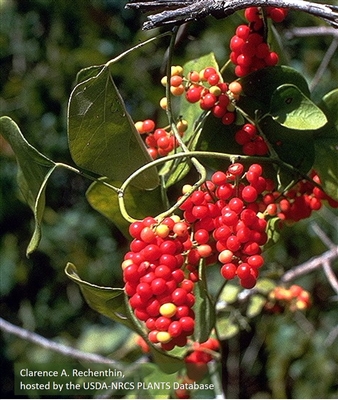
point(166, 12)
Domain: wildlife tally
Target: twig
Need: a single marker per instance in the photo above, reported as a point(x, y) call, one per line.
point(324, 63)
point(322, 235)
point(311, 265)
point(331, 277)
point(178, 12)
point(68, 351)
point(311, 31)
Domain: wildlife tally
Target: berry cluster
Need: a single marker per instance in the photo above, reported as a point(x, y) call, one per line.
point(298, 202)
point(249, 50)
point(207, 88)
point(197, 365)
point(226, 221)
point(253, 144)
point(160, 295)
point(292, 299)
point(196, 361)
point(159, 141)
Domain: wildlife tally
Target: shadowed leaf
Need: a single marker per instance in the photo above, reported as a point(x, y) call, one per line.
point(102, 136)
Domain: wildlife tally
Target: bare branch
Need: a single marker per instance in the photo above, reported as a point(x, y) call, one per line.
point(68, 351)
point(325, 62)
point(312, 264)
point(178, 12)
point(311, 31)
point(331, 277)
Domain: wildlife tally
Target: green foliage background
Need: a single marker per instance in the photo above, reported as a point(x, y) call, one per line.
point(43, 45)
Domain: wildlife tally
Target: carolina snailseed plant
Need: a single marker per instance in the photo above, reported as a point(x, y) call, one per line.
point(251, 134)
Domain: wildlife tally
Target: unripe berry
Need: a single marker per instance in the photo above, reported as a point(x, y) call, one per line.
point(168, 310)
point(163, 337)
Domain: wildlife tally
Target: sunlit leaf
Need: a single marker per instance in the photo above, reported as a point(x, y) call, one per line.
point(326, 146)
point(226, 327)
point(34, 170)
point(230, 293)
point(292, 109)
point(273, 231)
point(255, 306)
point(102, 136)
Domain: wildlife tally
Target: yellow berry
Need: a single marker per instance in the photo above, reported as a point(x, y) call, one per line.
point(176, 70)
point(162, 230)
point(164, 81)
point(139, 126)
point(186, 188)
point(215, 90)
point(168, 310)
point(163, 337)
point(182, 125)
point(126, 263)
point(164, 103)
point(176, 218)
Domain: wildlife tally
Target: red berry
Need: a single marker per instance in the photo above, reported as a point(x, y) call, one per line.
point(228, 271)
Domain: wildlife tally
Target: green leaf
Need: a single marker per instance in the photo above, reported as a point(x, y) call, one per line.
point(326, 146)
point(230, 293)
point(273, 231)
point(226, 327)
point(265, 285)
point(204, 308)
point(139, 203)
point(292, 146)
point(102, 136)
point(195, 116)
point(255, 306)
point(34, 170)
point(107, 301)
point(260, 85)
point(292, 109)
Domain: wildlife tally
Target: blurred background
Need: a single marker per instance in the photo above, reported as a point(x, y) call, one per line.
point(43, 45)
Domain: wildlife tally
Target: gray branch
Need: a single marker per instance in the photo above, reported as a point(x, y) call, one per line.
point(179, 12)
point(312, 264)
point(68, 351)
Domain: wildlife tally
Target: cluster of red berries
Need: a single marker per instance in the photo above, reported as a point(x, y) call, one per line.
point(252, 143)
point(299, 202)
point(207, 88)
point(159, 141)
point(226, 221)
point(199, 354)
point(202, 353)
point(292, 299)
point(160, 295)
point(249, 50)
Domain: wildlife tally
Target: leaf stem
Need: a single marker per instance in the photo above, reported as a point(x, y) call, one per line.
point(88, 176)
point(120, 56)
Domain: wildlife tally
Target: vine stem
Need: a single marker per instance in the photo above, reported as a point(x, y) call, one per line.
point(120, 56)
point(178, 12)
point(194, 155)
